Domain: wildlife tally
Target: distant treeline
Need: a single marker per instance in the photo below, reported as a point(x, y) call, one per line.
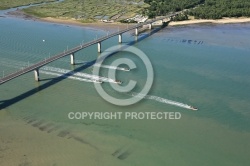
point(206, 9)
point(216, 9)
point(163, 7)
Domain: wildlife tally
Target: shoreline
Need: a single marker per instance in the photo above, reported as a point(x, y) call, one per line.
point(209, 21)
point(62, 21)
point(98, 25)
point(108, 26)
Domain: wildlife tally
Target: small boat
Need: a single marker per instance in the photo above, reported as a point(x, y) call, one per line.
point(118, 82)
point(97, 81)
point(126, 69)
point(193, 108)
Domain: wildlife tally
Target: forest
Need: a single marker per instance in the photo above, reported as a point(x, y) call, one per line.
point(200, 9)
point(163, 7)
point(216, 9)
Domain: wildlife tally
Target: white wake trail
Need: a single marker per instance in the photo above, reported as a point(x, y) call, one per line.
point(62, 75)
point(163, 100)
point(57, 71)
point(79, 74)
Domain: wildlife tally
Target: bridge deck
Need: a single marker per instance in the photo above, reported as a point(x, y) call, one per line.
point(73, 50)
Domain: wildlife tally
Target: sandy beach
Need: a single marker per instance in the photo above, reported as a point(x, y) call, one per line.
point(108, 26)
point(68, 21)
point(220, 21)
point(99, 25)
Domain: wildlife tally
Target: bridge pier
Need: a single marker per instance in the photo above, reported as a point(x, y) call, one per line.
point(99, 47)
point(72, 59)
point(136, 38)
point(136, 31)
point(149, 26)
point(120, 38)
point(36, 71)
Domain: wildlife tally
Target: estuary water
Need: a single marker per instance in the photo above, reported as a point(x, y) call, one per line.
point(206, 66)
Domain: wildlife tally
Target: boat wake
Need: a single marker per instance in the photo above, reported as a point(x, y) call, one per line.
point(104, 66)
point(63, 72)
point(69, 73)
point(65, 76)
point(94, 79)
point(113, 67)
point(163, 100)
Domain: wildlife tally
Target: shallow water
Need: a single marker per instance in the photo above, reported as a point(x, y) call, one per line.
point(206, 66)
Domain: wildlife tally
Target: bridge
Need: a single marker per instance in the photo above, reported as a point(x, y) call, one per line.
point(35, 67)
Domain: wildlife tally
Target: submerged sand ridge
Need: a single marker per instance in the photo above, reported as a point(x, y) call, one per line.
point(26, 142)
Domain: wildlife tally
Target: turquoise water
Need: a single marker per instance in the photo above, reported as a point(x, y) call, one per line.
point(206, 66)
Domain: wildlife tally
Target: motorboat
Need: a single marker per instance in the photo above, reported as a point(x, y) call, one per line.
point(118, 82)
point(193, 108)
point(97, 81)
point(126, 69)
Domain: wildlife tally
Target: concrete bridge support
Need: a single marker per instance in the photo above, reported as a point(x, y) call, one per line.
point(136, 32)
point(72, 59)
point(99, 47)
point(120, 38)
point(36, 72)
point(149, 26)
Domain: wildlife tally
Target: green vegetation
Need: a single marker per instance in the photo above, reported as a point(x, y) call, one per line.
point(203, 9)
point(5, 4)
point(119, 10)
point(216, 9)
point(163, 7)
point(88, 10)
point(180, 17)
